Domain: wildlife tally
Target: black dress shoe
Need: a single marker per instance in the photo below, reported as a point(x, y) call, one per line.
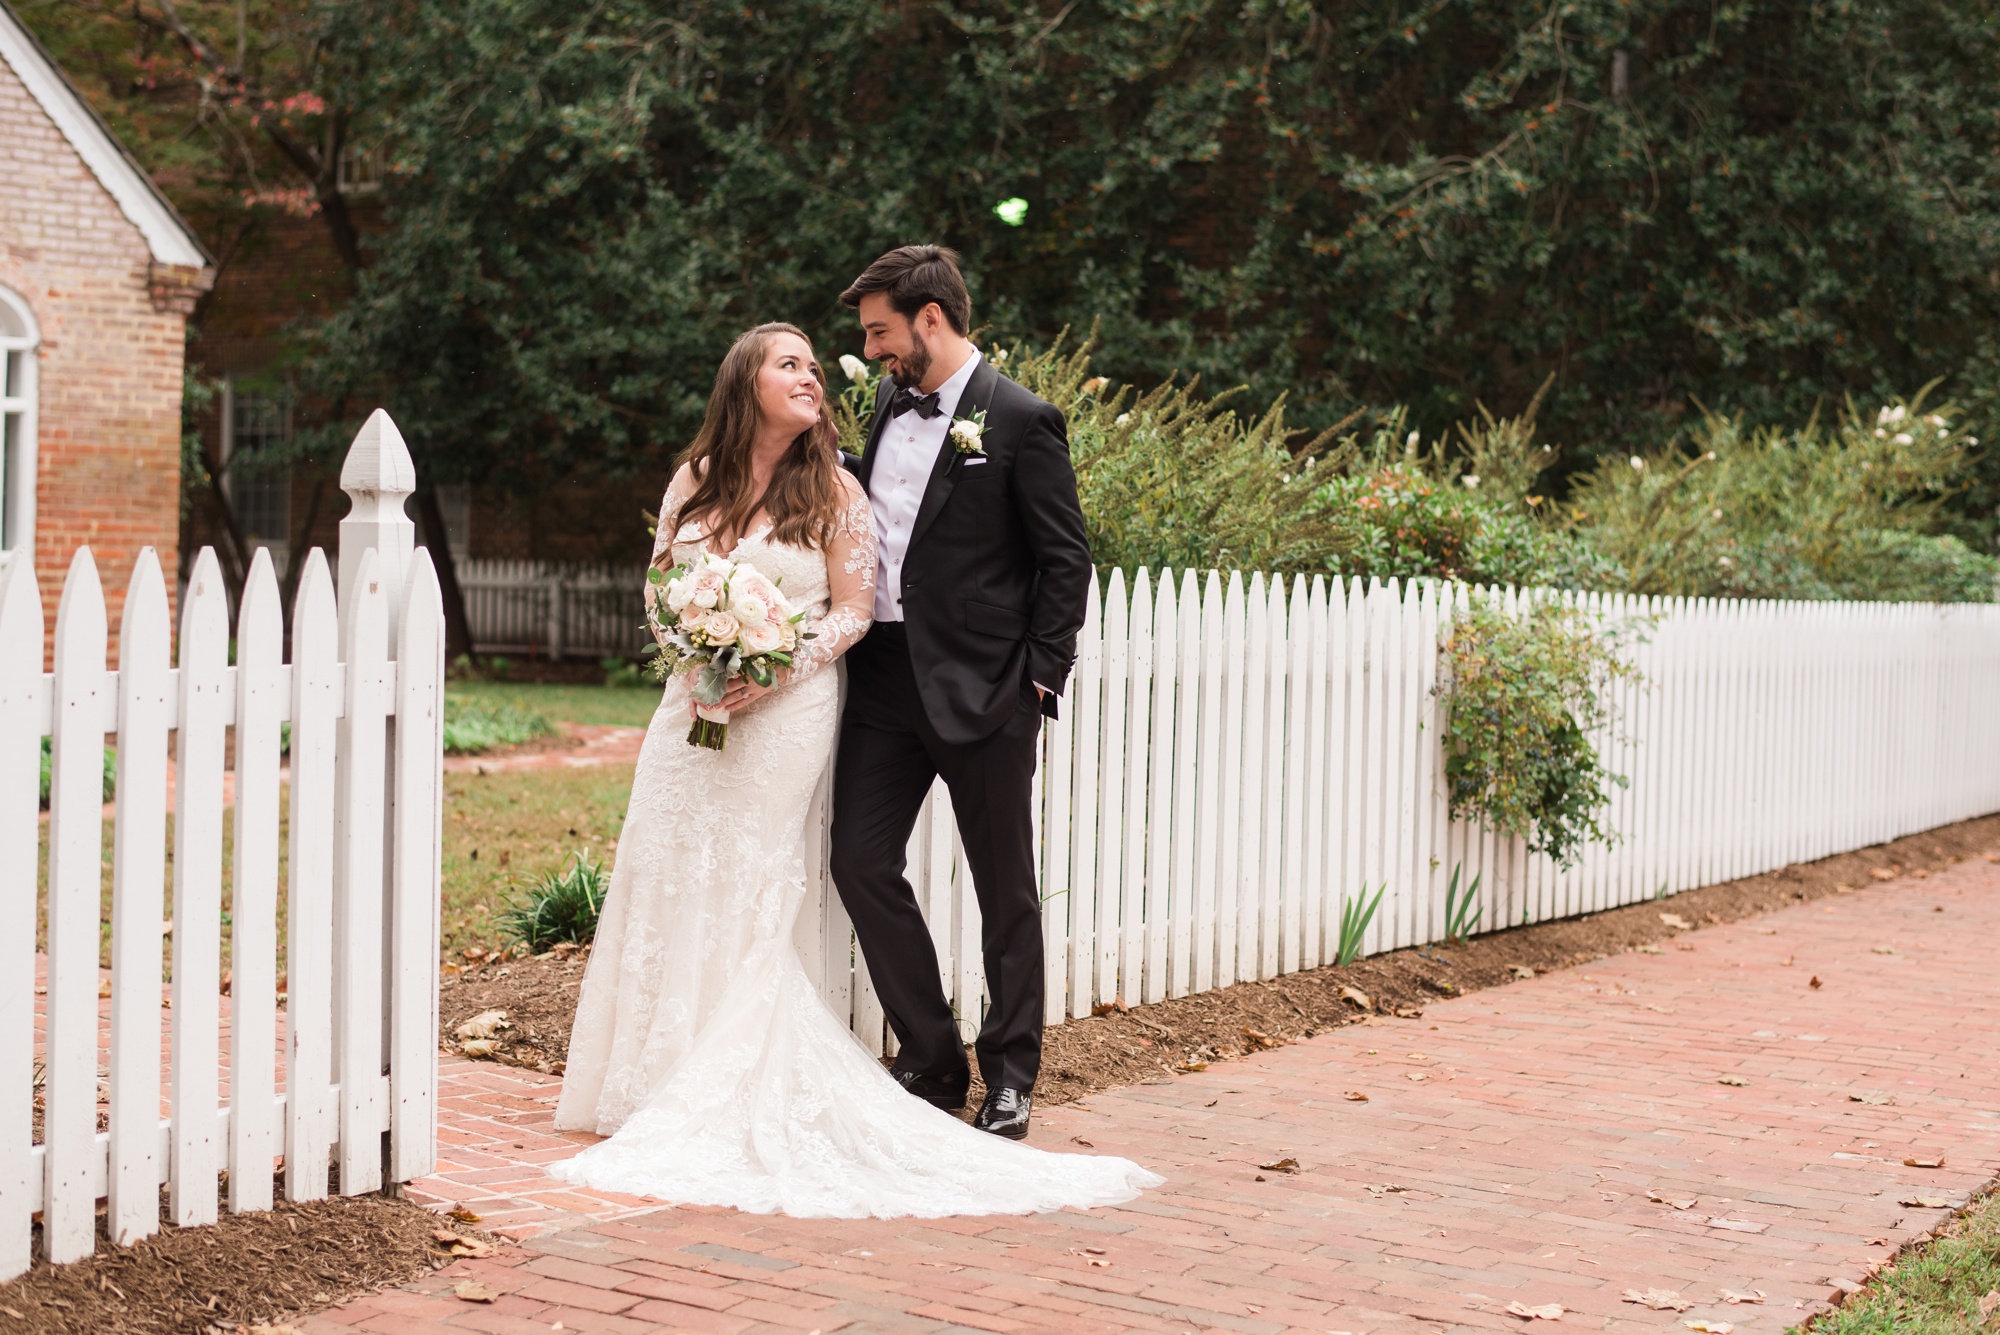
point(1005, 1113)
point(940, 1091)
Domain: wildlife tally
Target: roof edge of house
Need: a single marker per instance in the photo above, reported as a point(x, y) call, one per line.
point(167, 234)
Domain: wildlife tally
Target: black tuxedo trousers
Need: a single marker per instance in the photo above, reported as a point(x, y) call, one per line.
point(889, 754)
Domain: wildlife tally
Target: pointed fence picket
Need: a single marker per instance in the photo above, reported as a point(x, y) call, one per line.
point(1242, 755)
point(364, 730)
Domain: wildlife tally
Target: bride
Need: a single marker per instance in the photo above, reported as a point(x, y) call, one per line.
point(700, 1047)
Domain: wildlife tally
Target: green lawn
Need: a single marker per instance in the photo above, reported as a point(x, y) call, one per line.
point(504, 828)
point(630, 706)
point(1935, 1288)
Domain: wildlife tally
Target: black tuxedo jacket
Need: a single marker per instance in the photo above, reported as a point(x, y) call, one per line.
point(998, 565)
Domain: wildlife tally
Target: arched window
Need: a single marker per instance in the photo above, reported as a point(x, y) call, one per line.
point(18, 364)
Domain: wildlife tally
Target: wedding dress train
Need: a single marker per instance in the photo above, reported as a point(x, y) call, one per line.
point(701, 1047)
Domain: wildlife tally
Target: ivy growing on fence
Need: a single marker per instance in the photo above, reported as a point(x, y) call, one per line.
point(1522, 693)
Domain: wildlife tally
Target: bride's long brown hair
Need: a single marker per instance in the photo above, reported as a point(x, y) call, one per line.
point(804, 497)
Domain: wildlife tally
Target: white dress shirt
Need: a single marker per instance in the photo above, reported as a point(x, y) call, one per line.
point(904, 459)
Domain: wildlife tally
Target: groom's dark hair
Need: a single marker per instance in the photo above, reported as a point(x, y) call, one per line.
point(914, 277)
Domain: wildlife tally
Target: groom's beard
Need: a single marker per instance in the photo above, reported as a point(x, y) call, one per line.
point(911, 369)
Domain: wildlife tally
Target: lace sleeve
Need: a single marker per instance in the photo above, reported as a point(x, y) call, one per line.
point(678, 490)
point(850, 578)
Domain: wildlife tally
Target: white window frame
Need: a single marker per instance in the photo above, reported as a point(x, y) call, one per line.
point(17, 478)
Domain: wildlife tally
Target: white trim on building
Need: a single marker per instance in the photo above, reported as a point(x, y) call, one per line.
point(170, 240)
point(20, 338)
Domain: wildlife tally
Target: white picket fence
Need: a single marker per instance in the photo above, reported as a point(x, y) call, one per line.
point(1237, 760)
point(553, 609)
point(359, 895)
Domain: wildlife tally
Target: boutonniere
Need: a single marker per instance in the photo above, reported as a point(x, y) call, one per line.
point(966, 433)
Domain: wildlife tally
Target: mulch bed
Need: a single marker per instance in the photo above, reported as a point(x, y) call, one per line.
point(247, 1272)
point(1155, 1042)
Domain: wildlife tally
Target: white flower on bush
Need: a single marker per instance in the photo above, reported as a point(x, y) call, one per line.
point(761, 637)
point(1410, 441)
point(853, 367)
point(1935, 421)
point(1638, 464)
point(721, 628)
point(1904, 438)
point(1889, 416)
point(1471, 481)
point(748, 608)
point(999, 356)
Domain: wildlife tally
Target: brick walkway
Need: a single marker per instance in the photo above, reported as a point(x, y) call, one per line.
point(1529, 1144)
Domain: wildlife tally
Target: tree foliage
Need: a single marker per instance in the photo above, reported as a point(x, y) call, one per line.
point(1759, 207)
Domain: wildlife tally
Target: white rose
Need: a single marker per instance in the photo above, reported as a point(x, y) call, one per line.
point(677, 594)
point(721, 565)
point(748, 608)
point(966, 432)
point(789, 635)
point(706, 590)
point(722, 628)
point(760, 637)
point(853, 367)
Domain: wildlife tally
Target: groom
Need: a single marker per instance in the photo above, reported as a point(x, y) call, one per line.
point(979, 595)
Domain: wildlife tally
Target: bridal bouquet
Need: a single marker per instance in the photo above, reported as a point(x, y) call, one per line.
point(717, 619)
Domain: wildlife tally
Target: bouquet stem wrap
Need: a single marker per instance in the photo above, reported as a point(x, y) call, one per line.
point(710, 728)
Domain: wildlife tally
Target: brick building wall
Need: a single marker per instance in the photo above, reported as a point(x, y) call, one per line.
point(112, 325)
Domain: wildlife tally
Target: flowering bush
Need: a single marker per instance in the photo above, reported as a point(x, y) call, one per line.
point(1521, 695)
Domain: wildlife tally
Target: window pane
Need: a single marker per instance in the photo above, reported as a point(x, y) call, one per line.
point(13, 380)
point(261, 493)
point(10, 445)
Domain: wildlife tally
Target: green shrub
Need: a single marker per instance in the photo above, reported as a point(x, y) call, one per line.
point(558, 906)
point(1521, 695)
point(479, 723)
point(1848, 511)
point(48, 770)
point(1169, 477)
point(622, 671)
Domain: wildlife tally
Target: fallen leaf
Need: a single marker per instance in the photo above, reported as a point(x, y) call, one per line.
point(1687, 1204)
point(479, 1047)
point(1648, 949)
point(483, 1025)
point(1106, 1007)
point(1875, 1096)
point(1925, 1161)
point(1993, 857)
point(1731, 1080)
point(1660, 1300)
point(104, 988)
point(1098, 1261)
point(1079, 1140)
point(1523, 971)
point(1737, 1225)
point(1883, 874)
point(1991, 1301)
point(1786, 961)
point(1415, 1075)
point(1677, 922)
point(1732, 1296)
point(472, 1291)
point(473, 1247)
point(1192, 1067)
point(1884, 950)
point(1815, 982)
point(1358, 997)
point(1925, 1202)
point(1710, 1327)
point(1355, 1096)
point(1281, 1166)
point(1545, 1312)
point(461, 1214)
point(1260, 1038)
point(1386, 1188)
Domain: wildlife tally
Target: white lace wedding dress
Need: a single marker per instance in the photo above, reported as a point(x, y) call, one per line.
point(700, 1045)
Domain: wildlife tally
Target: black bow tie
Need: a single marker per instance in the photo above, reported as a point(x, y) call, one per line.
point(906, 401)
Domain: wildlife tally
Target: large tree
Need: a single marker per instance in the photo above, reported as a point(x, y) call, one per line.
point(1760, 206)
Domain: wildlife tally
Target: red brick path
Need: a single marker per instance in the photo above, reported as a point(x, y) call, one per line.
point(1508, 1151)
